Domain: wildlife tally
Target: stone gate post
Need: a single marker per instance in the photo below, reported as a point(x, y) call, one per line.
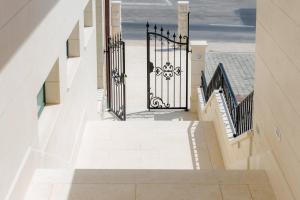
point(116, 26)
point(183, 10)
point(197, 65)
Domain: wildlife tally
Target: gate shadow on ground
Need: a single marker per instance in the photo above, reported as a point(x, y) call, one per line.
point(163, 115)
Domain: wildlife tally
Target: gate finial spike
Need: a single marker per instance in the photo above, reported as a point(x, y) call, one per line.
point(155, 27)
point(161, 29)
point(168, 33)
point(147, 25)
point(174, 35)
point(180, 36)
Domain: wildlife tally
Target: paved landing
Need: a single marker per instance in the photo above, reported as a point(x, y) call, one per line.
point(149, 145)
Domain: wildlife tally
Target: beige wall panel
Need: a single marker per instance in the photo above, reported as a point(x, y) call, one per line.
point(280, 187)
point(285, 73)
point(287, 78)
point(291, 8)
point(284, 31)
point(269, 101)
point(286, 118)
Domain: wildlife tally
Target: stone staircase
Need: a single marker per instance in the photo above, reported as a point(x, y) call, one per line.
point(154, 155)
point(141, 160)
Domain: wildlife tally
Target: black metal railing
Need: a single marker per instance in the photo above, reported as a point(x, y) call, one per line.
point(240, 113)
point(244, 112)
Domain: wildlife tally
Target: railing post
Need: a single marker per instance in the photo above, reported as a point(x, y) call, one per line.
point(197, 66)
point(183, 11)
point(116, 26)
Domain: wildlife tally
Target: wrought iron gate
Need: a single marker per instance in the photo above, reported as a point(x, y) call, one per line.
point(167, 69)
point(116, 90)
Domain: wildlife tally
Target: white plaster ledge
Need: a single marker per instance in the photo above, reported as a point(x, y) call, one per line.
point(222, 108)
point(47, 123)
point(242, 137)
point(72, 67)
point(88, 32)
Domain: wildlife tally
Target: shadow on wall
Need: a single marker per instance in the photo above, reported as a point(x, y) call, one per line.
point(247, 15)
point(17, 39)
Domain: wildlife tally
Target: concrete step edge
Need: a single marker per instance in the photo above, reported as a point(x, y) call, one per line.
point(102, 176)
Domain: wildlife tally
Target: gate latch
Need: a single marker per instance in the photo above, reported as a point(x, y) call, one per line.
point(151, 67)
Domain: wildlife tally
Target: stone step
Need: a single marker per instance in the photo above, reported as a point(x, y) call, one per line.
point(83, 184)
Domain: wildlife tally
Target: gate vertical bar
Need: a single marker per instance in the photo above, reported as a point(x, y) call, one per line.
point(155, 43)
point(108, 74)
point(123, 83)
point(187, 63)
point(174, 64)
point(161, 63)
point(148, 67)
point(168, 61)
point(187, 73)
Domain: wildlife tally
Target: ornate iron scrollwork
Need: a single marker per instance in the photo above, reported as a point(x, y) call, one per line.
point(168, 71)
point(116, 77)
point(157, 102)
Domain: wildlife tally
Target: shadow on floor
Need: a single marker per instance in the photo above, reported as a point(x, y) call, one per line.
point(170, 115)
point(161, 184)
point(163, 115)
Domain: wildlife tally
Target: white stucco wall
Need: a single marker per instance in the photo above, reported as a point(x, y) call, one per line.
point(33, 36)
